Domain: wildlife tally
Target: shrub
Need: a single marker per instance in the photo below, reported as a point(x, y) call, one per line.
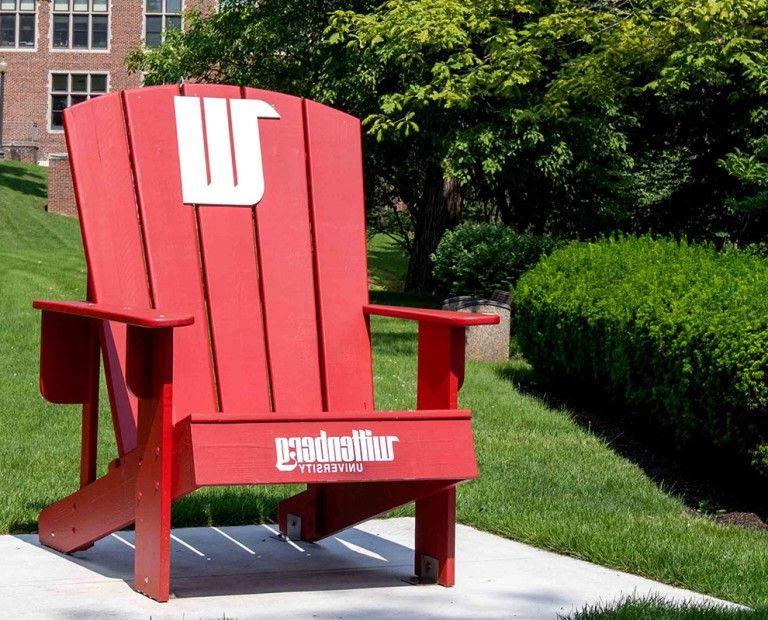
point(476, 259)
point(676, 334)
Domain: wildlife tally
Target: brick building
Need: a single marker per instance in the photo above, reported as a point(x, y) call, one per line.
point(60, 52)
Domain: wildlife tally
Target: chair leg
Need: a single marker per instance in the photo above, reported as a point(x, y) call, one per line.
point(152, 566)
point(436, 537)
point(90, 435)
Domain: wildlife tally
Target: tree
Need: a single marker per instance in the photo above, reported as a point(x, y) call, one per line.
point(556, 116)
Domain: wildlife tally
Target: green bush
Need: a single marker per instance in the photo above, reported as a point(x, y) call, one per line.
point(476, 259)
point(676, 334)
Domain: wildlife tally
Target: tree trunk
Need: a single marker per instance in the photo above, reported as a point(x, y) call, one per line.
point(438, 212)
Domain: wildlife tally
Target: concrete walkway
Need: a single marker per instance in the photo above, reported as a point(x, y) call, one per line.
point(246, 572)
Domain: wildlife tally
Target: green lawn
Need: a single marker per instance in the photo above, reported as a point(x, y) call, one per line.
point(658, 607)
point(544, 480)
point(387, 264)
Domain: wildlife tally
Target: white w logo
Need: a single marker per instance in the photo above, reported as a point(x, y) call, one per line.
point(216, 179)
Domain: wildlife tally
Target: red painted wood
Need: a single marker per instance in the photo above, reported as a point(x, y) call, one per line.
point(98, 149)
point(285, 256)
point(171, 241)
point(108, 503)
point(131, 316)
point(339, 416)
point(102, 507)
point(67, 346)
point(440, 366)
point(436, 534)
point(440, 375)
point(273, 302)
point(246, 453)
point(95, 511)
point(153, 479)
point(89, 432)
point(228, 247)
point(123, 404)
point(438, 317)
point(330, 508)
point(336, 190)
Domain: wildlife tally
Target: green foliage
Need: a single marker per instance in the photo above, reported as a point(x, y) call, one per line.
point(478, 258)
point(566, 117)
point(675, 333)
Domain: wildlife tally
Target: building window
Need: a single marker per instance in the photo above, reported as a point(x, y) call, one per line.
point(70, 88)
point(80, 24)
point(17, 23)
point(161, 15)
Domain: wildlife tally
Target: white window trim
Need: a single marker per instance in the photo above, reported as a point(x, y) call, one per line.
point(163, 14)
point(49, 91)
point(79, 50)
point(37, 30)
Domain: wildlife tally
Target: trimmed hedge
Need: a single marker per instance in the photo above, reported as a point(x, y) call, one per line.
point(478, 258)
point(676, 334)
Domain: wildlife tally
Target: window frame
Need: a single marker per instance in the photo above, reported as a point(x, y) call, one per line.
point(70, 13)
point(18, 12)
point(89, 93)
point(163, 15)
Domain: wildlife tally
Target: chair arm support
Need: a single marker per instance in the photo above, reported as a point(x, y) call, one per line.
point(131, 316)
point(440, 366)
point(441, 350)
point(436, 317)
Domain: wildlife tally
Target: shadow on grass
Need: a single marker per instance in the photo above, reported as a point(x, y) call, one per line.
point(28, 525)
point(388, 264)
point(230, 505)
point(397, 343)
point(207, 506)
point(20, 180)
point(414, 300)
point(705, 482)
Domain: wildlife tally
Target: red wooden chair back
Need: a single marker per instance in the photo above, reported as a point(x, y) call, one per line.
point(260, 340)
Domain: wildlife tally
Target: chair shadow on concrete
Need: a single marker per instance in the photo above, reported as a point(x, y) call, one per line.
point(253, 559)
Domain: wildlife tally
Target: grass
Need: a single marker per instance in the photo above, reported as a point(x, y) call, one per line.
point(387, 264)
point(544, 480)
point(657, 607)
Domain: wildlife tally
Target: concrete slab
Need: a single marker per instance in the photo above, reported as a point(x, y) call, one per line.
point(247, 572)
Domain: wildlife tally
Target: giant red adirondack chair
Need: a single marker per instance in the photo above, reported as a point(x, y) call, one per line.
point(227, 296)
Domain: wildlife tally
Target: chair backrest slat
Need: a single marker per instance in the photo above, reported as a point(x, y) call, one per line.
point(285, 254)
point(171, 241)
point(98, 144)
point(333, 142)
point(276, 289)
point(233, 296)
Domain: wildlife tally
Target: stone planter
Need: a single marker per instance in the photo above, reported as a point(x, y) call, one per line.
point(488, 343)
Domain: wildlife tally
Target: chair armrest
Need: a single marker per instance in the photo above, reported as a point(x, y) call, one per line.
point(436, 317)
point(138, 317)
point(441, 350)
point(69, 342)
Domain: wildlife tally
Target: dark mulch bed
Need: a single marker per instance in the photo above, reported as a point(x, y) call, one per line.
point(745, 519)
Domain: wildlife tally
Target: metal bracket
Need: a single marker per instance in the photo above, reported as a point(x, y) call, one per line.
point(293, 527)
point(430, 568)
